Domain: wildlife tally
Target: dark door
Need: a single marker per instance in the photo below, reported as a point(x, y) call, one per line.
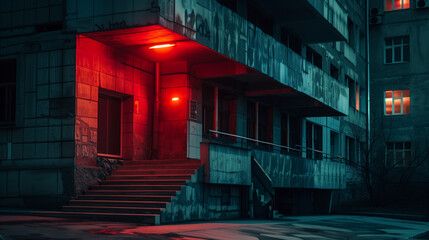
point(109, 125)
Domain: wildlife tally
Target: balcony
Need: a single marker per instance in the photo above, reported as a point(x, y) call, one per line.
point(313, 21)
point(231, 164)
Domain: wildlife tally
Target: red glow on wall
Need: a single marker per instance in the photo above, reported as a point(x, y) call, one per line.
point(175, 99)
point(164, 45)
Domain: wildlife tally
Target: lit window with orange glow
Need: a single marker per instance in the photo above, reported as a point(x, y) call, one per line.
point(397, 102)
point(397, 4)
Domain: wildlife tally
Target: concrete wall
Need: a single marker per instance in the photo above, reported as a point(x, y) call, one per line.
point(288, 171)
point(36, 154)
point(200, 201)
point(412, 75)
point(101, 68)
point(225, 165)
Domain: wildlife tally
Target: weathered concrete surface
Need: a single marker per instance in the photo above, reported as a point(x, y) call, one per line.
point(215, 26)
point(198, 201)
point(313, 227)
point(218, 28)
point(288, 171)
point(225, 164)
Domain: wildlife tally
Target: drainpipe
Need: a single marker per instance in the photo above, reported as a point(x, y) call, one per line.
point(368, 122)
point(155, 122)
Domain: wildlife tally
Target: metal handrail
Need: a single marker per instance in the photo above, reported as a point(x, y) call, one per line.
point(315, 150)
point(273, 144)
point(254, 140)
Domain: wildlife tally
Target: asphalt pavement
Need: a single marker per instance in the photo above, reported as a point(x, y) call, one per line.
point(290, 228)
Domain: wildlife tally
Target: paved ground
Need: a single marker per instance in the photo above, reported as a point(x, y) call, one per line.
point(314, 227)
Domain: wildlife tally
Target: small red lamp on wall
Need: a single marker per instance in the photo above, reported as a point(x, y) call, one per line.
point(175, 99)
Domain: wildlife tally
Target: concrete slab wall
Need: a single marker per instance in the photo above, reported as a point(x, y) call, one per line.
point(36, 153)
point(288, 171)
point(200, 201)
point(225, 164)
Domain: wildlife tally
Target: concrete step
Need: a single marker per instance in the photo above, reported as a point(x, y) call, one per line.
point(124, 217)
point(160, 166)
point(181, 181)
point(116, 203)
point(153, 171)
point(105, 209)
point(158, 198)
point(137, 187)
point(149, 177)
point(132, 192)
point(162, 162)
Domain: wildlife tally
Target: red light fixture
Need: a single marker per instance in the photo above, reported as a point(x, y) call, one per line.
point(163, 45)
point(175, 99)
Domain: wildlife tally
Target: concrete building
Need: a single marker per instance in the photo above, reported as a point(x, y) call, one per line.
point(399, 82)
point(215, 109)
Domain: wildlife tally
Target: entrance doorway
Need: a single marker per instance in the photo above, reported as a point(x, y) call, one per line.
point(109, 125)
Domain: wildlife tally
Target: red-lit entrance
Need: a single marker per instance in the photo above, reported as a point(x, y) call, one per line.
point(109, 125)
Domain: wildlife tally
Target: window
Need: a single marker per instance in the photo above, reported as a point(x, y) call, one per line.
point(352, 91)
point(351, 33)
point(357, 97)
point(7, 91)
point(314, 58)
point(259, 18)
point(265, 123)
point(397, 4)
point(350, 150)
point(291, 41)
point(397, 102)
point(334, 72)
point(314, 141)
point(398, 154)
point(251, 120)
point(396, 49)
point(295, 133)
point(335, 144)
point(227, 112)
point(208, 108)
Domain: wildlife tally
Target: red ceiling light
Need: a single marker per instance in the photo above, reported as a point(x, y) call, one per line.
point(175, 99)
point(163, 45)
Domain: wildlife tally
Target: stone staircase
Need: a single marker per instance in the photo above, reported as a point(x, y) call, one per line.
point(136, 191)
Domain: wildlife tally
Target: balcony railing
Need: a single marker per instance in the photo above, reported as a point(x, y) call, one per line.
point(289, 150)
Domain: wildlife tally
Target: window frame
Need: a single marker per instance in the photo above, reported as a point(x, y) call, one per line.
point(393, 102)
point(394, 151)
point(393, 5)
point(392, 47)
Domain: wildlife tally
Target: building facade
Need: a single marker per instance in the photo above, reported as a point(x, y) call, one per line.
point(399, 79)
point(215, 109)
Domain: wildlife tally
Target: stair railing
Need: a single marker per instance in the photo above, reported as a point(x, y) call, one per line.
point(299, 150)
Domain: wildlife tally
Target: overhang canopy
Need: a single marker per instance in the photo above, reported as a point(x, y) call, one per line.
point(211, 66)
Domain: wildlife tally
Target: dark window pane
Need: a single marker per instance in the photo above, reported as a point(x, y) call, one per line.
point(398, 54)
point(407, 145)
point(406, 39)
point(389, 146)
point(389, 55)
point(398, 146)
point(397, 40)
